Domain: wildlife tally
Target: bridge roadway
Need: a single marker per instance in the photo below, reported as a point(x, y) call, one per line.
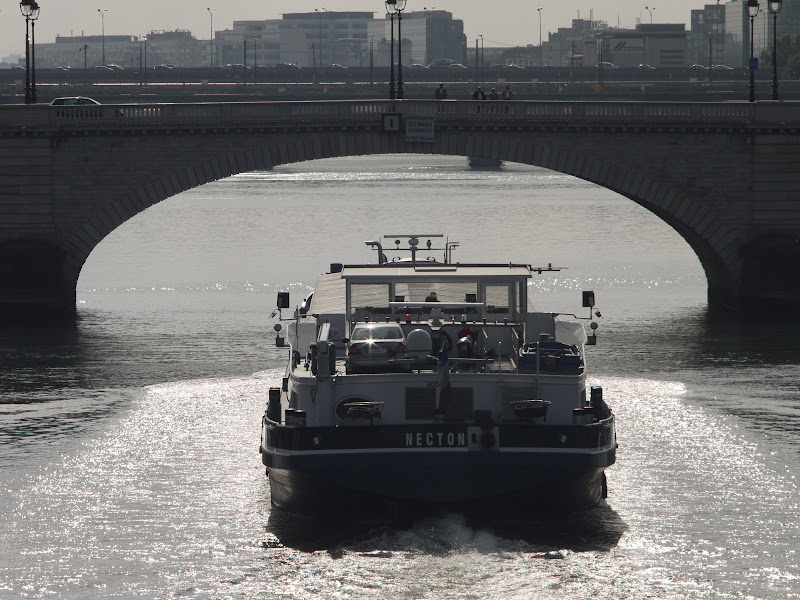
point(725, 176)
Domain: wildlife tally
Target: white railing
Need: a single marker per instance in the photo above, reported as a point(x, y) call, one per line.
point(21, 117)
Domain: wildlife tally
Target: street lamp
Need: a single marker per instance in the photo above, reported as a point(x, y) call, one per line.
point(211, 37)
point(397, 6)
point(103, 31)
point(29, 10)
point(540, 35)
point(34, 16)
point(84, 49)
point(480, 35)
point(390, 5)
point(650, 10)
point(371, 59)
point(320, 11)
point(710, 58)
point(255, 58)
point(142, 63)
point(775, 8)
point(752, 12)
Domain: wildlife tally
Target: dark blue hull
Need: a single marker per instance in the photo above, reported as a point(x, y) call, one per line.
point(519, 478)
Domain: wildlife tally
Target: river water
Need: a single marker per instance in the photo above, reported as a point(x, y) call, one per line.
point(129, 439)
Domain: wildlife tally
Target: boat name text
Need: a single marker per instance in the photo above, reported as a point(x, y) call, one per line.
point(438, 439)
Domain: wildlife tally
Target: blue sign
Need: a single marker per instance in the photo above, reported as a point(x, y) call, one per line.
point(754, 63)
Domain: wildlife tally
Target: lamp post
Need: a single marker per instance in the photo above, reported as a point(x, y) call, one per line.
point(540, 34)
point(650, 10)
point(255, 58)
point(399, 5)
point(103, 31)
point(211, 37)
point(34, 16)
point(142, 63)
point(775, 8)
point(480, 35)
point(319, 49)
point(29, 10)
point(84, 49)
point(710, 58)
point(600, 70)
point(752, 12)
point(390, 4)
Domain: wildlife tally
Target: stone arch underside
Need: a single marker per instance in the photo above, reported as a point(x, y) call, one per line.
point(712, 241)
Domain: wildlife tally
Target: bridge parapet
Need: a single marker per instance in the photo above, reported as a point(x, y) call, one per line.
point(19, 119)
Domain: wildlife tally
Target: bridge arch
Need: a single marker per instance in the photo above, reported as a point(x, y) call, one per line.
point(665, 200)
point(702, 168)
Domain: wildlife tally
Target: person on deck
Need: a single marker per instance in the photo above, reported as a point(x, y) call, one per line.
point(441, 92)
point(432, 297)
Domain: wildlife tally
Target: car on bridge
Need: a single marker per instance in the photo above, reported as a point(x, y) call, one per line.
point(286, 67)
point(74, 101)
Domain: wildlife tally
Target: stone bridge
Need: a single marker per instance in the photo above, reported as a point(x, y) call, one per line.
point(726, 176)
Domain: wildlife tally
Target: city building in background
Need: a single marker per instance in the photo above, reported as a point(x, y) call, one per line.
point(319, 38)
point(719, 34)
point(565, 47)
point(707, 35)
point(654, 44)
point(68, 51)
point(253, 43)
point(314, 38)
point(433, 34)
point(177, 47)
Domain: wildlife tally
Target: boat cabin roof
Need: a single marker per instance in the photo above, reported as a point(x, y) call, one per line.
point(434, 271)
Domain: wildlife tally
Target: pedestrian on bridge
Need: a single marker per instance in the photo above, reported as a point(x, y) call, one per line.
point(478, 94)
point(441, 92)
point(493, 95)
point(507, 93)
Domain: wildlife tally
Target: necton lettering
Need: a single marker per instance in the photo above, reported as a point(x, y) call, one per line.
point(432, 439)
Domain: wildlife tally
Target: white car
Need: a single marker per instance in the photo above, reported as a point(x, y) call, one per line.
point(74, 101)
point(373, 347)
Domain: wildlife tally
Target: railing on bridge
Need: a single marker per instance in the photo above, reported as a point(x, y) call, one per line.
point(19, 117)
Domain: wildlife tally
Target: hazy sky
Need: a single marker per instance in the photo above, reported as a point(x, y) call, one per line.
point(501, 22)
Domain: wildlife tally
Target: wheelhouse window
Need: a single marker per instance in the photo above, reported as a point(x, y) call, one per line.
point(372, 298)
point(497, 299)
point(443, 291)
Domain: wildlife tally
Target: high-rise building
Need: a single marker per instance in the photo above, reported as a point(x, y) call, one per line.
point(316, 38)
point(707, 35)
point(433, 34)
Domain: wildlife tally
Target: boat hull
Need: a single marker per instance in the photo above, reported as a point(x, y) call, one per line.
point(366, 482)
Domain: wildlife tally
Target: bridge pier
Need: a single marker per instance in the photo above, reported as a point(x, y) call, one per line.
point(771, 273)
point(34, 282)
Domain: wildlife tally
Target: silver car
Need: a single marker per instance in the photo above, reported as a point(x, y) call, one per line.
point(74, 101)
point(374, 346)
